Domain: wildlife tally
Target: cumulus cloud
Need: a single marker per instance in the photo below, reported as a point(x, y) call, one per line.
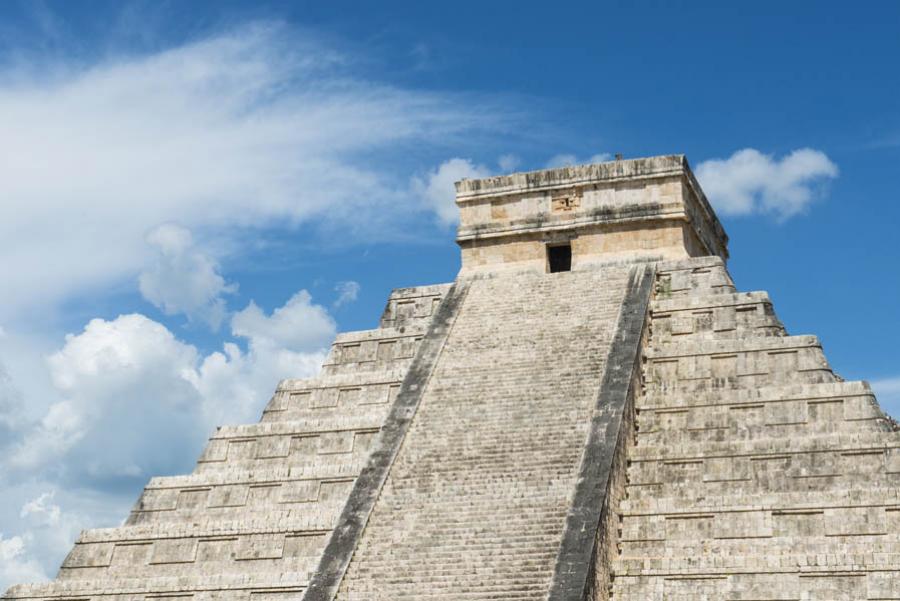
point(436, 188)
point(182, 279)
point(16, 565)
point(299, 325)
point(110, 377)
point(568, 160)
point(347, 293)
point(291, 342)
point(246, 129)
point(129, 385)
point(751, 182)
point(888, 393)
point(132, 370)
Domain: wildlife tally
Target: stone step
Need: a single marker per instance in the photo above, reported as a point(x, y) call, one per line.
point(713, 316)
point(790, 391)
point(857, 443)
point(288, 581)
point(741, 500)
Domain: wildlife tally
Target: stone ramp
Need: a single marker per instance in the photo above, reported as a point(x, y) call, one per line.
point(476, 501)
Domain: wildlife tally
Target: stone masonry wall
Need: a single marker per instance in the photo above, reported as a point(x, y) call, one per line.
point(757, 473)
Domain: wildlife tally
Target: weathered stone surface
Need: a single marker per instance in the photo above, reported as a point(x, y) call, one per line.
point(757, 473)
point(632, 429)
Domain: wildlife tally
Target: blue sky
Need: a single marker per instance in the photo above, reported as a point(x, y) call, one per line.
point(195, 196)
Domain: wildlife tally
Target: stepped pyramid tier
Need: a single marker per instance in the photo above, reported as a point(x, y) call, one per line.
point(590, 411)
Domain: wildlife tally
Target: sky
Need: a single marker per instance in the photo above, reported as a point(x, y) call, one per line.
point(196, 196)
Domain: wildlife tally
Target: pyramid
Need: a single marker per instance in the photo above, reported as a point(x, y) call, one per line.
point(591, 410)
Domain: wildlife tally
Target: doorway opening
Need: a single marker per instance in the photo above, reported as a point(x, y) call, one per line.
point(559, 258)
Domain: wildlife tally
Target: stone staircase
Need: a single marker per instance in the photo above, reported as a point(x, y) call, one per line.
point(475, 504)
point(755, 473)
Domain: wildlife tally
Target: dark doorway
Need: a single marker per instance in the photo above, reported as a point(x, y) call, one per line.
point(560, 258)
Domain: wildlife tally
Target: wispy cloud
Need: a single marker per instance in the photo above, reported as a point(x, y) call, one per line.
point(254, 127)
point(182, 279)
point(347, 293)
point(751, 182)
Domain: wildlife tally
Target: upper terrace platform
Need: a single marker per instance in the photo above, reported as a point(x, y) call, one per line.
point(649, 208)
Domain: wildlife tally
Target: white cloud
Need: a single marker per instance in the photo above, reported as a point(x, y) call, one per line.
point(752, 182)
point(260, 126)
point(42, 509)
point(10, 403)
point(508, 163)
point(888, 392)
point(15, 564)
point(114, 375)
point(129, 371)
point(299, 325)
point(347, 292)
point(183, 279)
point(133, 370)
point(46, 534)
point(436, 188)
point(568, 160)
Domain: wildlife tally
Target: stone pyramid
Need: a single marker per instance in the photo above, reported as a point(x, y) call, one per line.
point(590, 411)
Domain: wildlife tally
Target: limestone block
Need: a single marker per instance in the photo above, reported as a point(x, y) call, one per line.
point(687, 588)
point(304, 545)
point(826, 410)
point(763, 587)
point(216, 450)
point(690, 526)
point(299, 491)
point(260, 546)
point(233, 495)
point(174, 551)
point(242, 449)
point(726, 469)
point(892, 460)
point(270, 447)
point(158, 499)
point(89, 556)
point(299, 400)
point(883, 585)
point(798, 522)
point(839, 587)
point(644, 528)
point(263, 494)
point(855, 521)
point(335, 442)
point(787, 412)
point(745, 524)
point(334, 490)
point(325, 398)
point(136, 553)
point(215, 549)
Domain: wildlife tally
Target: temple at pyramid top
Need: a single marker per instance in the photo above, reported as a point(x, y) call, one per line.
point(592, 411)
point(650, 208)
